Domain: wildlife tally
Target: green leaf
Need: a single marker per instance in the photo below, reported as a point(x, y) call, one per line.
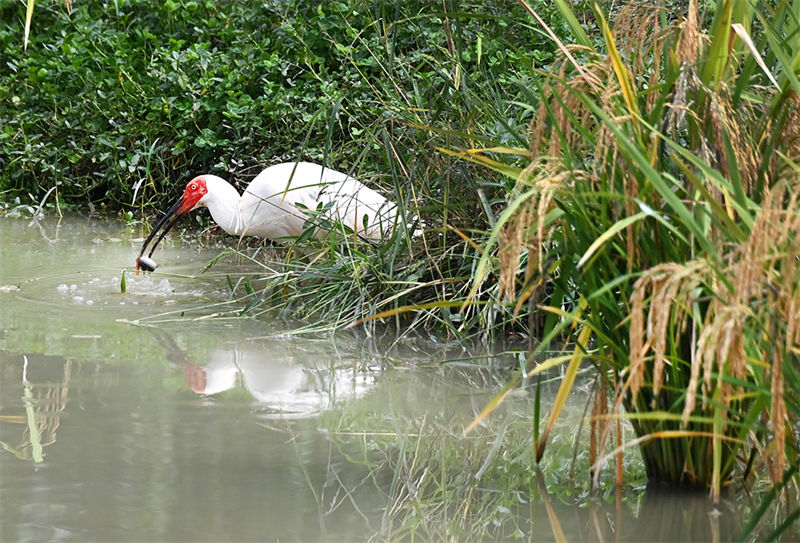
point(578, 33)
point(611, 232)
point(716, 60)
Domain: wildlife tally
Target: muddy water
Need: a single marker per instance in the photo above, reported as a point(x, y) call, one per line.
point(132, 416)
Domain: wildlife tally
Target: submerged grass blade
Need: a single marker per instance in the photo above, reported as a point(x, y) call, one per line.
point(552, 516)
point(414, 307)
point(766, 501)
point(716, 446)
point(566, 387)
point(33, 425)
point(515, 380)
point(659, 435)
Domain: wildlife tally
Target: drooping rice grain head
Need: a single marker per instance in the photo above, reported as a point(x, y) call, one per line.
point(690, 42)
point(790, 135)
point(690, 39)
point(560, 109)
point(762, 301)
point(526, 229)
point(787, 312)
point(671, 291)
point(719, 344)
point(729, 123)
point(513, 239)
point(669, 310)
point(631, 190)
point(642, 40)
point(694, 322)
point(777, 464)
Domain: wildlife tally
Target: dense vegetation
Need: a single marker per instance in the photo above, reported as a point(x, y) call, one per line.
point(116, 105)
point(110, 95)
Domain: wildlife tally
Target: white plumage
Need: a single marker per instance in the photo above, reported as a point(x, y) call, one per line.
point(282, 202)
point(278, 202)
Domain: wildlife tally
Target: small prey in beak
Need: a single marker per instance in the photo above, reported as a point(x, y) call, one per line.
point(146, 264)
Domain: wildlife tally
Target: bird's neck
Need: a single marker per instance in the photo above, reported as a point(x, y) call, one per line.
point(225, 207)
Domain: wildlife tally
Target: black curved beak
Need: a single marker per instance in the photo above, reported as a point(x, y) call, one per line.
point(164, 225)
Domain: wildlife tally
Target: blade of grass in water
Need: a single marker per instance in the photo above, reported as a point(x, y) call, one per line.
point(566, 387)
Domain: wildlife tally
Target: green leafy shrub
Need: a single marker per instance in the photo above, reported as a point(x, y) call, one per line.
point(107, 98)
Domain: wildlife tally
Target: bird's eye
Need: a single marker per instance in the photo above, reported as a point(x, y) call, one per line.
point(193, 186)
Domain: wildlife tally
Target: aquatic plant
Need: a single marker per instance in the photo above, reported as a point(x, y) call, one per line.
point(656, 223)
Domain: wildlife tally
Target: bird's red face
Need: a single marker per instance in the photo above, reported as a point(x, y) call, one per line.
point(195, 190)
point(192, 194)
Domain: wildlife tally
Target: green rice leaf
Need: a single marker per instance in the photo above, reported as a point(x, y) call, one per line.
point(611, 232)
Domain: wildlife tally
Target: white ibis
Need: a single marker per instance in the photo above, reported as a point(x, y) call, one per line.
point(283, 201)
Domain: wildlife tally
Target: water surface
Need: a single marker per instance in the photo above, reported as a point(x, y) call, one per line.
point(139, 416)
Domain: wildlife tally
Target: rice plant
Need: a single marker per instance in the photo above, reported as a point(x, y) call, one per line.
point(660, 205)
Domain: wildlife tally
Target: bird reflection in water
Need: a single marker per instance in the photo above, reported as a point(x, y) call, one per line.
point(284, 383)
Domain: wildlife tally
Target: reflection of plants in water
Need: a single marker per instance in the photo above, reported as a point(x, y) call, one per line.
point(399, 459)
point(43, 404)
point(402, 461)
point(432, 481)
